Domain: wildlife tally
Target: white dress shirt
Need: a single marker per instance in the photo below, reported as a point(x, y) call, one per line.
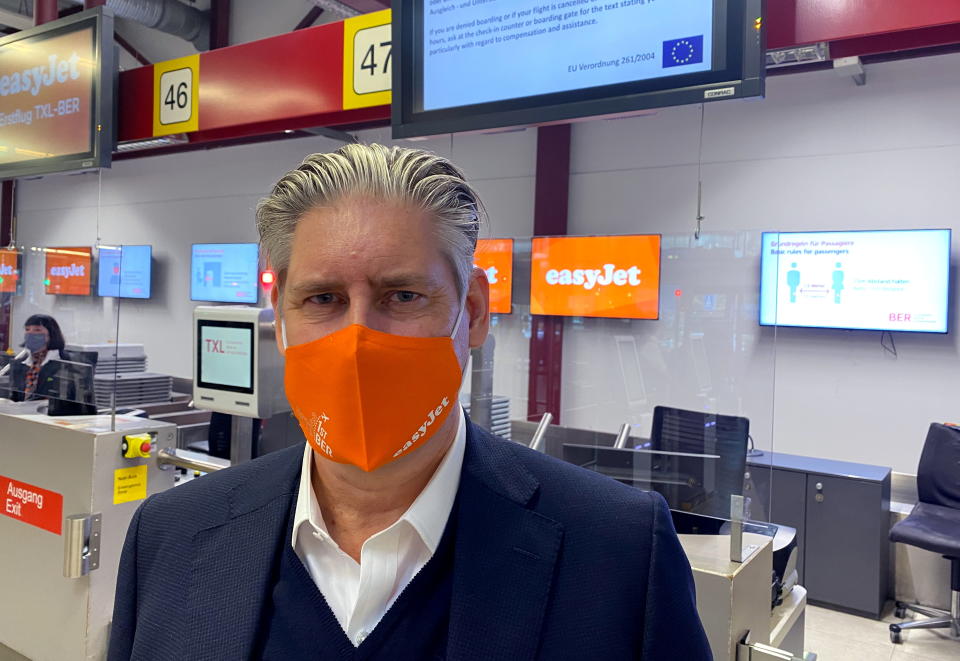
point(360, 594)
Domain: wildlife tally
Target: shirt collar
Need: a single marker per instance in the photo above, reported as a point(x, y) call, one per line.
point(427, 515)
point(51, 354)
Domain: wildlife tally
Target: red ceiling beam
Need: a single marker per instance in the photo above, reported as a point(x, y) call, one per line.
point(795, 22)
point(366, 6)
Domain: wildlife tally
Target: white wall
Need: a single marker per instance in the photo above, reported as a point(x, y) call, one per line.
point(818, 153)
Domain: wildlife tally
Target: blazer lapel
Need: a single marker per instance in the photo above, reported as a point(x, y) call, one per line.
point(504, 559)
point(237, 558)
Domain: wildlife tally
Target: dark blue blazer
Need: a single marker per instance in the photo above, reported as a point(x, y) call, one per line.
point(552, 562)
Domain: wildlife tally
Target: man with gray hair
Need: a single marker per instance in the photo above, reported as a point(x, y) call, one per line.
point(400, 530)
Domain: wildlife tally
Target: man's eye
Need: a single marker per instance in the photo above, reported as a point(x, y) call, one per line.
point(322, 299)
point(405, 296)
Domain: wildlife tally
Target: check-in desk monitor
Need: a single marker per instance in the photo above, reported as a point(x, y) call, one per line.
point(237, 368)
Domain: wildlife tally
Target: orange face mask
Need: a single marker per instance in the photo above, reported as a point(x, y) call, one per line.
point(366, 398)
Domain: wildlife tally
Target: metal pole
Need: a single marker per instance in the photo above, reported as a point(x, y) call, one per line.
point(169, 457)
point(536, 443)
point(623, 436)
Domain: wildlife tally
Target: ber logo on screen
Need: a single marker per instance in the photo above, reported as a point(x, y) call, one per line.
point(596, 276)
point(495, 257)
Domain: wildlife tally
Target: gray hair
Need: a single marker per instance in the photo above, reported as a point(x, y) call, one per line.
point(430, 182)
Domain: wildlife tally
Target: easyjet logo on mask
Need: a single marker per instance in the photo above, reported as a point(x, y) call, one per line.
point(590, 278)
point(68, 271)
point(422, 430)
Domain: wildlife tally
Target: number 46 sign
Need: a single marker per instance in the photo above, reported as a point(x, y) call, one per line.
point(367, 60)
point(175, 103)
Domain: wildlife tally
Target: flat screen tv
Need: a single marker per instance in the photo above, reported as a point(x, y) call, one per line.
point(486, 64)
point(57, 90)
point(67, 271)
point(886, 280)
point(11, 268)
point(495, 257)
point(225, 272)
point(596, 276)
point(124, 271)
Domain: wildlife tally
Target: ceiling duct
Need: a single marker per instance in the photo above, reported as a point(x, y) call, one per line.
point(170, 16)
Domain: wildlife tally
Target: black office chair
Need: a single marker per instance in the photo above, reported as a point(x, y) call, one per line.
point(934, 525)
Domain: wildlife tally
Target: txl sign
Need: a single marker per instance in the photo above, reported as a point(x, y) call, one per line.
point(214, 346)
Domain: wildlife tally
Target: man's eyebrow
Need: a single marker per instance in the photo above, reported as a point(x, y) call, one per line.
point(305, 286)
point(401, 280)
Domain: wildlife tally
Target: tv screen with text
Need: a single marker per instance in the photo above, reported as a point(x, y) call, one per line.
point(57, 86)
point(495, 257)
point(225, 272)
point(225, 355)
point(888, 280)
point(67, 271)
point(596, 276)
point(124, 271)
point(11, 266)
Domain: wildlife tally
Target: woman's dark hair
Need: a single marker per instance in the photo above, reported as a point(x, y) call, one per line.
point(56, 336)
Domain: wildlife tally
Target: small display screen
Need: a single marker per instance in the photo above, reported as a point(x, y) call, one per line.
point(225, 355)
point(124, 271)
point(10, 269)
point(892, 280)
point(225, 272)
point(68, 271)
point(596, 276)
point(495, 257)
point(556, 47)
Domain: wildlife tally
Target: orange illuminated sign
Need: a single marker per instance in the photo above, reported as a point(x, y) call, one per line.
point(9, 271)
point(46, 96)
point(596, 276)
point(495, 257)
point(68, 271)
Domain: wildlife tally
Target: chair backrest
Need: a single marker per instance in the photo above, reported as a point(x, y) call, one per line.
point(938, 476)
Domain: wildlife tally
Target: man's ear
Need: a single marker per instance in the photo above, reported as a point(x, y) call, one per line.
point(276, 304)
point(478, 307)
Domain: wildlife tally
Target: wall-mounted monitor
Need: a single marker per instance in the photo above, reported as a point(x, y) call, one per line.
point(124, 271)
point(225, 272)
point(67, 271)
point(495, 257)
point(495, 63)
point(596, 276)
point(11, 267)
point(888, 280)
point(57, 89)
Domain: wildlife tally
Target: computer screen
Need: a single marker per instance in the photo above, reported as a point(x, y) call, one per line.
point(887, 280)
point(596, 276)
point(495, 257)
point(225, 272)
point(68, 271)
point(11, 267)
point(124, 271)
point(225, 355)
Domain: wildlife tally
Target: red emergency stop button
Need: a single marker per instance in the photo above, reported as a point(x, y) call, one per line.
point(145, 448)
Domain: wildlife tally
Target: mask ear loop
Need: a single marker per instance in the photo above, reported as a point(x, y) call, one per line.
point(283, 333)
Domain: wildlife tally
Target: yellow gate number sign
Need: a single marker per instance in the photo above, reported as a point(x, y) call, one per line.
point(367, 60)
point(176, 107)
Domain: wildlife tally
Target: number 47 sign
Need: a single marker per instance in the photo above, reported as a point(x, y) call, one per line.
point(367, 60)
point(175, 102)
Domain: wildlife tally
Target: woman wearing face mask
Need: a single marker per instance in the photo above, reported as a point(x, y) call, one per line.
point(31, 377)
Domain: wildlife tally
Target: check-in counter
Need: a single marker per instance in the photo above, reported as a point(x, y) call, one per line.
point(69, 487)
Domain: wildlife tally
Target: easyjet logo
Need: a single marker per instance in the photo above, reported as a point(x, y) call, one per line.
point(432, 417)
point(6, 269)
point(68, 271)
point(491, 273)
point(590, 278)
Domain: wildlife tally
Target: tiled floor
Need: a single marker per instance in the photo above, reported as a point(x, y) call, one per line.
point(836, 636)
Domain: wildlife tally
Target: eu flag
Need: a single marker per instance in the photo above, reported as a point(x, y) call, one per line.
point(678, 52)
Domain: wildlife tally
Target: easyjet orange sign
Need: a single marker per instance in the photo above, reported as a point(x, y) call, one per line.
point(9, 271)
point(596, 276)
point(68, 271)
point(495, 257)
